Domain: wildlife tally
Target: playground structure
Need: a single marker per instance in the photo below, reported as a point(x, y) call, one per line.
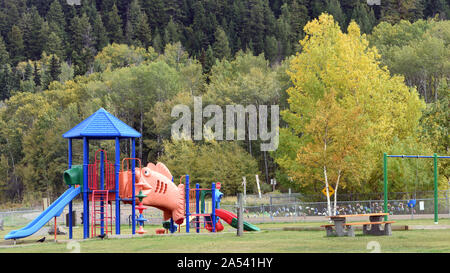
point(153, 185)
point(412, 202)
point(211, 220)
point(196, 209)
point(96, 181)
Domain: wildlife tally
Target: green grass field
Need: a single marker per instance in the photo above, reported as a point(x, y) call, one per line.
point(272, 238)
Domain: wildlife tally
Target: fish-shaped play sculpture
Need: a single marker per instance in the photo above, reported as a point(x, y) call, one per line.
point(155, 181)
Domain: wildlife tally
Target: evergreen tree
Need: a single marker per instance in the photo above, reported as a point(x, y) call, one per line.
point(129, 34)
point(56, 20)
point(14, 79)
point(99, 33)
point(157, 18)
point(433, 7)
point(28, 72)
point(134, 11)
point(198, 26)
point(209, 60)
point(114, 25)
point(45, 36)
point(142, 30)
point(157, 42)
point(31, 25)
point(83, 44)
point(271, 48)
point(284, 34)
point(269, 19)
point(333, 7)
point(395, 10)
point(5, 81)
point(42, 6)
point(106, 5)
point(55, 68)
point(417, 10)
point(4, 55)
point(132, 22)
point(16, 46)
point(317, 7)
point(221, 46)
point(298, 17)
point(253, 28)
point(11, 14)
point(176, 10)
point(54, 45)
point(70, 13)
point(36, 75)
point(89, 7)
point(362, 17)
point(171, 33)
point(290, 26)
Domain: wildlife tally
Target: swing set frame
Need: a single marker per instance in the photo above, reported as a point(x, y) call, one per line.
point(435, 160)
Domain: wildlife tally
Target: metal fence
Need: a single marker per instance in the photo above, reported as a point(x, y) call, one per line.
point(293, 207)
point(275, 207)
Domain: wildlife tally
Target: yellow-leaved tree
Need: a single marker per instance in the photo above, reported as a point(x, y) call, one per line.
point(336, 140)
point(339, 86)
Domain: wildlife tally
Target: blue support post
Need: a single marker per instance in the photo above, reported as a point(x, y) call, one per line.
point(172, 229)
point(133, 177)
point(102, 187)
point(70, 203)
point(213, 202)
point(187, 203)
point(85, 188)
point(197, 206)
point(117, 170)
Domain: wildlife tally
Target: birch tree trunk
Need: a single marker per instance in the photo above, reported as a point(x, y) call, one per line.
point(335, 192)
point(326, 187)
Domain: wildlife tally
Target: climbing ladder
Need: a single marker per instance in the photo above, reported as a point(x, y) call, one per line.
point(101, 194)
point(99, 212)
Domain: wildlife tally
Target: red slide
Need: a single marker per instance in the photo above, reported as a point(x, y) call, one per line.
point(225, 215)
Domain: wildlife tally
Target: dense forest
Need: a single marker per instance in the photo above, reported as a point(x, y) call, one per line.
point(138, 59)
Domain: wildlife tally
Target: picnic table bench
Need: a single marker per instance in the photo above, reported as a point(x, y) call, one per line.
point(371, 227)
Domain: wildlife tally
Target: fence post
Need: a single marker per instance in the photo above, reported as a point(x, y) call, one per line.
point(240, 212)
point(295, 206)
point(270, 205)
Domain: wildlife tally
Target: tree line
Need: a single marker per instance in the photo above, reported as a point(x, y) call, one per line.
point(207, 29)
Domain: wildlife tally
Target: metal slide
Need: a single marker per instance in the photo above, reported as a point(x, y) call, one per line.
point(55, 209)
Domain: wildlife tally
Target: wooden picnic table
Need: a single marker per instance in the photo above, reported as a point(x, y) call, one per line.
point(371, 227)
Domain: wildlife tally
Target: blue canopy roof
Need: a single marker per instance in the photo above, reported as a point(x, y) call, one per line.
point(102, 125)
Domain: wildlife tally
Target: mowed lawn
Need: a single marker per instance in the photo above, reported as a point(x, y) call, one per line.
point(272, 238)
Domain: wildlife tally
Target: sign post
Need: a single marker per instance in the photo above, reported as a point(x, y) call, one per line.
point(259, 188)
